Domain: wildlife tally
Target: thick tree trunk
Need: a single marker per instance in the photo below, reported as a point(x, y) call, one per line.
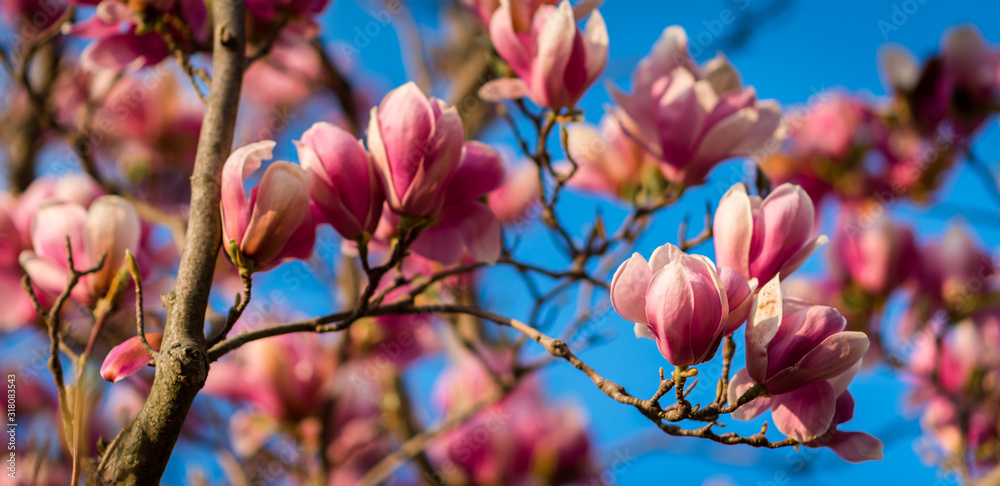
point(140, 454)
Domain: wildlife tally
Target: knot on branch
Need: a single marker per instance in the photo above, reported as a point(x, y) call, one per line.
point(559, 348)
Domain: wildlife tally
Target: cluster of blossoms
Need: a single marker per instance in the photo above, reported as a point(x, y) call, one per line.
point(854, 148)
point(869, 156)
point(418, 175)
point(433, 205)
point(800, 358)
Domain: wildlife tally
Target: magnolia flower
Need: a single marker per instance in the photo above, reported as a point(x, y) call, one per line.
point(276, 223)
point(77, 188)
point(270, 9)
point(117, 49)
point(877, 255)
point(609, 160)
point(428, 171)
point(529, 440)
point(959, 84)
point(800, 355)
point(345, 188)
point(287, 378)
point(554, 61)
point(850, 446)
point(691, 119)
point(791, 343)
point(761, 238)
point(831, 127)
point(512, 202)
point(108, 229)
point(681, 301)
point(417, 144)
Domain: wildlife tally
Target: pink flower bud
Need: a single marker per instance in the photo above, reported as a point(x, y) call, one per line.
point(417, 144)
point(763, 238)
point(112, 227)
point(554, 60)
point(679, 297)
point(127, 358)
point(276, 223)
point(345, 188)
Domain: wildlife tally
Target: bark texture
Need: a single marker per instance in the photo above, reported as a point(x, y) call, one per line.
point(141, 452)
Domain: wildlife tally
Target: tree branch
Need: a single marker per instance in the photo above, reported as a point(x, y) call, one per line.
point(182, 362)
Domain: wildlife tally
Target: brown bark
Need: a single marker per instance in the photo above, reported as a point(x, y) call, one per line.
point(141, 452)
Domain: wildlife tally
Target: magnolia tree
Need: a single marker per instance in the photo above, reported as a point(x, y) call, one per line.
point(132, 218)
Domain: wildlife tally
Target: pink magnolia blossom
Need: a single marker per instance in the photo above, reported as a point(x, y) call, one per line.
point(288, 378)
point(691, 119)
point(682, 302)
point(878, 255)
point(276, 224)
point(418, 144)
point(345, 187)
point(527, 441)
point(110, 227)
point(269, 9)
point(291, 72)
point(831, 127)
point(117, 49)
point(512, 202)
point(804, 361)
point(428, 171)
point(127, 358)
point(761, 238)
point(791, 344)
point(609, 160)
point(960, 84)
point(77, 188)
point(554, 60)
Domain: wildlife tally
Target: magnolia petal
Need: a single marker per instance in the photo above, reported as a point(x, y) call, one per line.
point(469, 226)
point(805, 413)
point(799, 257)
point(835, 355)
point(732, 230)
point(125, 51)
point(663, 255)
point(235, 207)
point(740, 297)
point(642, 331)
point(281, 206)
point(503, 89)
point(762, 327)
point(856, 446)
point(127, 358)
point(628, 289)
point(480, 171)
point(739, 385)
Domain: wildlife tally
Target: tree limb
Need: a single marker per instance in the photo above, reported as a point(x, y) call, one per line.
point(146, 444)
